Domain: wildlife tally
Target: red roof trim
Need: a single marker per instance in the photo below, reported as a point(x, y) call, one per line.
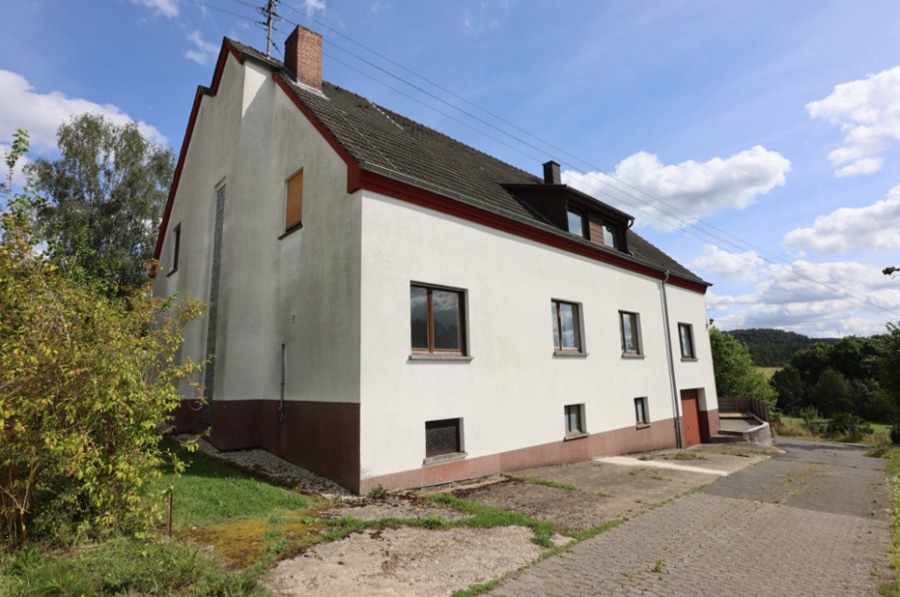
point(353, 169)
point(227, 49)
point(379, 183)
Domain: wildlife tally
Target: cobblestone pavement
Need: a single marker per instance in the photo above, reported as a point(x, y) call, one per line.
point(811, 521)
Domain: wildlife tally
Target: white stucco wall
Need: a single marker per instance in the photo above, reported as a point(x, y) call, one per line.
point(299, 289)
point(512, 393)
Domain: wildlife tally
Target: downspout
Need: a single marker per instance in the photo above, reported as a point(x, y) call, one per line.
point(675, 398)
point(283, 367)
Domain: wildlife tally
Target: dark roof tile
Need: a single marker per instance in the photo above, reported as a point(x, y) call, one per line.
point(389, 143)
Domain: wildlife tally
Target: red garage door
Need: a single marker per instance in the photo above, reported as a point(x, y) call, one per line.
point(690, 418)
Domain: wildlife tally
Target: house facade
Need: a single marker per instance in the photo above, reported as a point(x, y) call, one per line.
point(388, 306)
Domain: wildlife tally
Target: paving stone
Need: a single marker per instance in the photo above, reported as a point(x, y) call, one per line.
point(812, 521)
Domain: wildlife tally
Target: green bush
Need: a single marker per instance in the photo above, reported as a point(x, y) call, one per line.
point(848, 426)
point(86, 384)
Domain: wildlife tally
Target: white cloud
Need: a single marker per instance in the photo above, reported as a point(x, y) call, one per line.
point(734, 266)
point(679, 194)
point(868, 111)
point(380, 6)
point(203, 51)
point(816, 299)
point(167, 8)
point(311, 6)
point(853, 228)
point(21, 106)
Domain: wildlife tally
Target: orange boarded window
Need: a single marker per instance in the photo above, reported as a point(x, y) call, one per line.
point(294, 208)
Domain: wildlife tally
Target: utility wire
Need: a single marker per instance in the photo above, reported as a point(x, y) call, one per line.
point(631, 195)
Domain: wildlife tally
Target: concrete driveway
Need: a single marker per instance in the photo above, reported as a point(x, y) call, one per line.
point(812, 520)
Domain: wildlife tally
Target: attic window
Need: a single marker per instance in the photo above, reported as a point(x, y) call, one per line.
point(294, 204)
point(610, 238)
point(577, 222)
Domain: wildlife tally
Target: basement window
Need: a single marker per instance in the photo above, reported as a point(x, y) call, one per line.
point(443, 440)
point(641, 416)
point(575, 421)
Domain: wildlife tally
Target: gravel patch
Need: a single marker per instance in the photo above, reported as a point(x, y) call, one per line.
point(272, 468)
point(405, 561)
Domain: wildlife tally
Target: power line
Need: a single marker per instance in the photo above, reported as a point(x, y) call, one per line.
point(610, 186)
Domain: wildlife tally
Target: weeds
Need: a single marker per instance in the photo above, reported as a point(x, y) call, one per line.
point(548, 483)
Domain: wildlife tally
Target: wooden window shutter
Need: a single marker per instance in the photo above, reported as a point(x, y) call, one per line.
point(294, 209)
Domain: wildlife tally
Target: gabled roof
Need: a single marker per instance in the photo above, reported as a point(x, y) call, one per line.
point(380, 144)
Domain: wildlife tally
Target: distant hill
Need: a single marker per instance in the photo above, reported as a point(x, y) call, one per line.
point(773, 348)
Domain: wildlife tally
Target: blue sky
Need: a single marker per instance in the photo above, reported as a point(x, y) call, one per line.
point(757, 142)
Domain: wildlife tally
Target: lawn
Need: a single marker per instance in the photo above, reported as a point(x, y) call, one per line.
point(248, 523)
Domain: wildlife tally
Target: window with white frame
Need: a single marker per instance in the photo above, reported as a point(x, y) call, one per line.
point(567, 337)
point(640, 411)
point(629, 325)
point(686, 337)
point(575, 420)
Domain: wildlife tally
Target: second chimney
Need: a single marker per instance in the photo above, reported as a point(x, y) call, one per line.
point(551, 173)
point(303, 57)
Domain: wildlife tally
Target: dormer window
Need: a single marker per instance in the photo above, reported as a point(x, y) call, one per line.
point(578, 223)
point(610, 238)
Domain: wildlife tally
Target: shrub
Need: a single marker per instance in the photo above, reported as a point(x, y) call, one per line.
point(849, 426)
point(86, 383)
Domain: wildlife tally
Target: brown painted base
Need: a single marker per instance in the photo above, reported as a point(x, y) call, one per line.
point(320, 436)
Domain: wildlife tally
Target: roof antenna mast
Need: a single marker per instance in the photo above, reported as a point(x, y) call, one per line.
point(271, 16)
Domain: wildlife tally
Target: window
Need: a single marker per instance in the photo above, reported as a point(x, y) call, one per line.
point(686, 336)
point(577, 223)
point(575, 420)
point(609, 237)
point(631, 333)
point(293, 212)
point(437, 317)
point(176, 250)
point(566, 327)
point(442, 438)
point(640, 411)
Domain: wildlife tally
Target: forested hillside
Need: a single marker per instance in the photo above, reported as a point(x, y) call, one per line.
point(773, 348)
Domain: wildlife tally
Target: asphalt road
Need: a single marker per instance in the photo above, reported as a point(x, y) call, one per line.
point(814, 520)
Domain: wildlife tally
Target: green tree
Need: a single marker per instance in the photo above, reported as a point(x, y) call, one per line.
point(105, 198)
point(19, 148)
point(86, 383)
point(791, 390)
point(889, 365)
point(734, 370)
point(832, 394)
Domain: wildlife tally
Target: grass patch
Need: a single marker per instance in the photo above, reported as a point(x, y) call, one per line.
point(549, 483)
point(488, 517)
point(208, 494)
point(892, 589)
point(478, 589)
point(795, 427)
point(769, 371)
point(684, 455)
point(154, 566)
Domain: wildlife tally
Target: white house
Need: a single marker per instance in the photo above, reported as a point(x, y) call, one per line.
point(391, 307)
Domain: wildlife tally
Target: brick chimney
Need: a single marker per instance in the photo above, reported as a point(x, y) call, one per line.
point(303, 56)
point(551, 173)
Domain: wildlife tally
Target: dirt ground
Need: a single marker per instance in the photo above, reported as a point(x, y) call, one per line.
point(421, 562)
